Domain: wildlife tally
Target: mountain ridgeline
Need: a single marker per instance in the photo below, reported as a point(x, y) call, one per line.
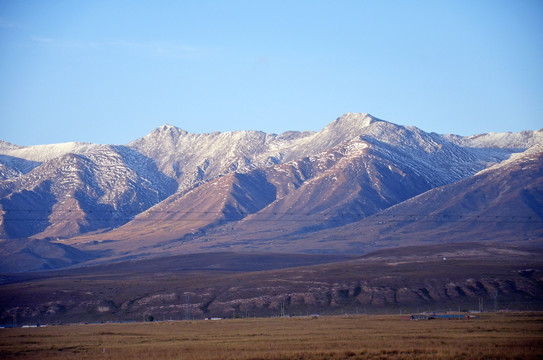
point(358, 185)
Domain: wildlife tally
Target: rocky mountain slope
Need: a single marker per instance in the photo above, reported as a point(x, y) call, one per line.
point(175, 192)
point(92, 188)
point(501, 203)
point(299, 204)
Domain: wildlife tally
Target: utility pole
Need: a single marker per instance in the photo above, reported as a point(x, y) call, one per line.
point(187, 313)
point(496, 301)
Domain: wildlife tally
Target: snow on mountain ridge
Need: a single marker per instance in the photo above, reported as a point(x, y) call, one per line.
point(507, 140)
point(192, 158)
point(18, 160)
point(532, 152)
point(6, 146)
point(42, 153)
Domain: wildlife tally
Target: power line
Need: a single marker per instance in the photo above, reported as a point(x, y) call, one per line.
point(50, 211)
point(289, 216)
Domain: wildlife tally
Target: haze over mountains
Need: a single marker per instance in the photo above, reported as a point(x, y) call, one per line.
point(358, 185)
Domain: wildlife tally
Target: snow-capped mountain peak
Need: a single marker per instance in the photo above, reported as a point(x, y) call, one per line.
point(357, 156)
point(507, 140)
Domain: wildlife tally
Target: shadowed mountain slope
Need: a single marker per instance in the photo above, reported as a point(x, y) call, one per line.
point(223, 285)
point(503, 203)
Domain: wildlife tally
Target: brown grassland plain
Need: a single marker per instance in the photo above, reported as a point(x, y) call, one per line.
point(492, 336)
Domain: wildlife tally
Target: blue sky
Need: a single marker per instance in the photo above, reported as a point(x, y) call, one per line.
point(112, 71)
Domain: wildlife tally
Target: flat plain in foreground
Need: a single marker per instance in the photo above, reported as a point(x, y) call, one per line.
point(492, 336)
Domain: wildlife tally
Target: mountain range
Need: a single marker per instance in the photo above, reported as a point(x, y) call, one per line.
point(360, 184)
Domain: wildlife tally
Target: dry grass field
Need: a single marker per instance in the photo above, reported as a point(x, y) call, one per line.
point(492, 336)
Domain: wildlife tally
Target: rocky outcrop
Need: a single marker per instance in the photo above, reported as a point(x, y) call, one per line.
point(348, 287)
